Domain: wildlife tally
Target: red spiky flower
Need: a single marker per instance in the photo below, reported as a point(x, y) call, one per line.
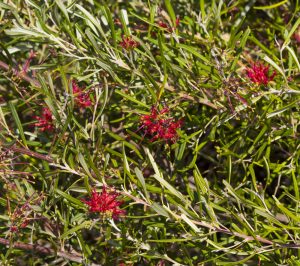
point(160, 126)
point(105, 203)
point(259, 74)
point(45, 121)
point(82, 99)
point(128, 43)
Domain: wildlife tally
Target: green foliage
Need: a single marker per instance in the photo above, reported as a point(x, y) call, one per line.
point(226, 192)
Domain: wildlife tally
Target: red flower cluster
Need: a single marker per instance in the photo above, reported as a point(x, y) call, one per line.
point(106, 203)
point(128, 43)
point(45, 121)
point(82, 99)
point(258, 73)
point(160, 126)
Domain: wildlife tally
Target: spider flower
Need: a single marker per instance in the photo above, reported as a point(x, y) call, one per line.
point(45, 120)
point(259, 74)
point(160, 126)
point(82, 99)
point(128, 43)
point(105, 203)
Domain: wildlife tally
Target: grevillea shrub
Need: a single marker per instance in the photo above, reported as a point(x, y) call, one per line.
point(149, 132)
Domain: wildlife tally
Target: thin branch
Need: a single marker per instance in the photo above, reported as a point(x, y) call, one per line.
point(228, 232)
point(19, 74)
point(31, 153)
point(44, 250)
point(12, 172)
point(246, 237)
point(137, 200)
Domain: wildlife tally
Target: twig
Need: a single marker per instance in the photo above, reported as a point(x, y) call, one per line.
point(20, 75)
point(31, 153)
point(12, 172)
point(246, 237)
point(137, 200)
point(44, 250)
point(228, 232)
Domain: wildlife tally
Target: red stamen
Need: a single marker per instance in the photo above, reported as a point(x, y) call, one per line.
point(82, 99)
point(45, 121)
point(160, 126)
point(105, 203)
point(128, 43)
point(258, 73)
